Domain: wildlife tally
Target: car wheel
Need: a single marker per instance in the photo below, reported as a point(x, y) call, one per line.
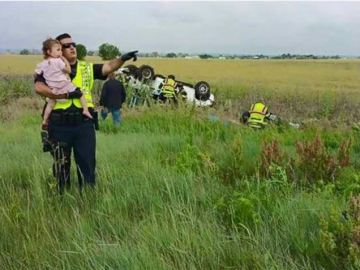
point(202, 91)
point(146, 72)
point(133, 70)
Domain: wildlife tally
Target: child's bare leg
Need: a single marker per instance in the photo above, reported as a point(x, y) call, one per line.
point(49, 107)
point(85, 107)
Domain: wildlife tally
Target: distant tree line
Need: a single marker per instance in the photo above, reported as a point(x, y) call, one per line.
point(24, 52)
point(109, 51)
point(106, 51)
point(304, 56)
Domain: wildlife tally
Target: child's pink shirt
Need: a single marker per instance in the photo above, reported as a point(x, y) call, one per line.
point(55, 76)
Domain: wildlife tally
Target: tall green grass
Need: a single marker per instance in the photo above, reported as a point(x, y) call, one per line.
point(175, 190)
point(184, 188)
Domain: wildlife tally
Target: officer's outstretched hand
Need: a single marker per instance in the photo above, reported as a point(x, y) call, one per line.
point(75, 94)
point(129, 55)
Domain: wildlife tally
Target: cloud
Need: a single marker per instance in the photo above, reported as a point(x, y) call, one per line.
point(222, 27)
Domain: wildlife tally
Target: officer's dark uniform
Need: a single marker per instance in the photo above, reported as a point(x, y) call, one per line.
point(69, 129)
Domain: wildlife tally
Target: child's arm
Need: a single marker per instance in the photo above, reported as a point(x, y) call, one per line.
point(67, 67)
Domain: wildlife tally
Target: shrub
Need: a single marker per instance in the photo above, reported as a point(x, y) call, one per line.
point(229, 165)
point(315, 162)
point(270, 154)
point(238, 210)
point(189, 159)
point(12, 87)
point(343, 156)
point(340, 236)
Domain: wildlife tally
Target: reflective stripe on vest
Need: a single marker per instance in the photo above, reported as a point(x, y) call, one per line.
point(255, 123)
point(169, 87)
point(258, 112)
point(84, 80)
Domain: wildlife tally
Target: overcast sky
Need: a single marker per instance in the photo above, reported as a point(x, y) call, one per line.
point(192, 27)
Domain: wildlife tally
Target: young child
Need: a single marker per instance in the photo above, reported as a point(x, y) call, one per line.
point(56, 69)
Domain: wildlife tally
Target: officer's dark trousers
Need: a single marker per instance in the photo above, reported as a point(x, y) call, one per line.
point(81, 139)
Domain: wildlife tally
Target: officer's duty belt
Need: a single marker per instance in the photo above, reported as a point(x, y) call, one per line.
point(72, 118)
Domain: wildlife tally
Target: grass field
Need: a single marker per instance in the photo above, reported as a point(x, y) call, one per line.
point(178, 189)
point(276, 75)
point(297, 89)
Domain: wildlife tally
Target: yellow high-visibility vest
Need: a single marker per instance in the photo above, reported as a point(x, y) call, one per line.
point(168, 89)
point(258, 112)
point(84, 80)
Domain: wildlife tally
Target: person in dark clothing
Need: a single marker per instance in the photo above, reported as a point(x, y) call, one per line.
point(68, 130)
point(112, 97)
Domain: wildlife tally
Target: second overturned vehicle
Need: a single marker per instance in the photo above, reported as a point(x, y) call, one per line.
point(143, 78)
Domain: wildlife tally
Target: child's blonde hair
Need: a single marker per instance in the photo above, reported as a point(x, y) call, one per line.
point(48, 44)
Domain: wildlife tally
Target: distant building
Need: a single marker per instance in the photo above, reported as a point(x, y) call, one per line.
point(192, 57)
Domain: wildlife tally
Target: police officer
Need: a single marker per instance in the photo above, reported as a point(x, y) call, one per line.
point(168, 89)
point(68, 128)
point(258, 116)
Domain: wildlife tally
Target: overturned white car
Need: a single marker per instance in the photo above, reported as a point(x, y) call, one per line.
point(144, 77)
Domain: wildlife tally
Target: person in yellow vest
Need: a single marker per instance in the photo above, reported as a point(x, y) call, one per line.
point(168, 89)
point(68, 128)
point(258, 116)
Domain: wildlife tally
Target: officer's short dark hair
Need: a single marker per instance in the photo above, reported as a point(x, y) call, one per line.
point(171, 77)
point(62, 36)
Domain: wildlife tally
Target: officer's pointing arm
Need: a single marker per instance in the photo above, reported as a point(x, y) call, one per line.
point(116, 63)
